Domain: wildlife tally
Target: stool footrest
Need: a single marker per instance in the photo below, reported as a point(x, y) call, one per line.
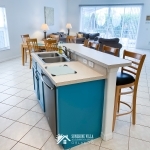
point(126, 112)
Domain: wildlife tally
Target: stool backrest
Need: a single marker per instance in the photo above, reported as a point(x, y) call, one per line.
point(96, 46)
point(137, 63)
point(86, 43)
point(51, 45)
point(110, 50)
point(32, 45)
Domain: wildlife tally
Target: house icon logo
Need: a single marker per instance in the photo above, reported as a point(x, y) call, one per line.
point(62, 139)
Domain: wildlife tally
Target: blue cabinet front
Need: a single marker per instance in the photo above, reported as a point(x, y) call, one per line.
point(79, 112)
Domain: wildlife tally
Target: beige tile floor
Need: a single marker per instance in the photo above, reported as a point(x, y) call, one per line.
point(24, 127)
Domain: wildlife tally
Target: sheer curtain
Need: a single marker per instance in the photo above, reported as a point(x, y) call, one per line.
point(4, 39)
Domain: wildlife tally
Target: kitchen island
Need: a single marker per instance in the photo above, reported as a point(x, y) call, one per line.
point(82, 109)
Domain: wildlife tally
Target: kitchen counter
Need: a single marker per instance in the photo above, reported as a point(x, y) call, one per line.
point(87, 95)
point(103, 59)
point(83, 74)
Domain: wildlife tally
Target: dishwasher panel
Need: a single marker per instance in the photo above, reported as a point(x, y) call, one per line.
point(50, 102)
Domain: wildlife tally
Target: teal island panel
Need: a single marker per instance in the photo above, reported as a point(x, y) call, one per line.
point(79, 112)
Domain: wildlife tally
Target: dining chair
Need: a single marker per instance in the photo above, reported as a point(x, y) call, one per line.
point(32, 47)
point(71, 39)
point(86, 43)
point(128, 78)
point(54, 37)
point(51, 45)
point(94, 45)
point(24, 38)
point(110, 50)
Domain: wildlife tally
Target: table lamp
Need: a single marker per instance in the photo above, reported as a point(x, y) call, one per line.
point(44, 27)
point(68, 26)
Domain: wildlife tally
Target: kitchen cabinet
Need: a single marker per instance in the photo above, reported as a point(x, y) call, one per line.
point(38, 84)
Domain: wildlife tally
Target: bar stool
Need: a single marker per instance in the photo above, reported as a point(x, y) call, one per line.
point(128, 78)
point(110, 50)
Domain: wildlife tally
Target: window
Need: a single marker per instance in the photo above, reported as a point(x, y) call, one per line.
point(112, 22)
point(4, 39)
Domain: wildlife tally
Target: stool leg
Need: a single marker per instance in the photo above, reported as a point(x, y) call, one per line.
point(115, 107)
point(134, 107)
point(119, 101)
point(30, 62)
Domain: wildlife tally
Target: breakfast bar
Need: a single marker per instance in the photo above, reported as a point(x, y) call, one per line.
point(78, 90)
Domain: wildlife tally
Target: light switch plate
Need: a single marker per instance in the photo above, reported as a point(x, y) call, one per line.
point(91, 64)
point(84, 61)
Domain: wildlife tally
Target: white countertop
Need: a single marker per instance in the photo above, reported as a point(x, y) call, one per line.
point(83, 74)
point(103, 59)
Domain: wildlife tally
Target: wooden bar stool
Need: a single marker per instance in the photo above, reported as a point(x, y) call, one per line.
point(128, 78)
point(110, 50)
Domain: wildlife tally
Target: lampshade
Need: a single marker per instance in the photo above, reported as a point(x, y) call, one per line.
point(68, 26)
point(44, 27)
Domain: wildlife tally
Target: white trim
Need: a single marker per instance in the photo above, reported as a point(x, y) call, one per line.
point(6, 59)
point(106, 137)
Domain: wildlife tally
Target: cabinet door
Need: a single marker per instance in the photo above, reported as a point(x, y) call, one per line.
point(40, 91)
point(33, 78)
point(36, 82)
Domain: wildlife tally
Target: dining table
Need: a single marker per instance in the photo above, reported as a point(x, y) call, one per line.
point(24, 47)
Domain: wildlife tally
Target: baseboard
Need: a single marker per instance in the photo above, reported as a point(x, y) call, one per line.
point(9, 58)
point(106, 137)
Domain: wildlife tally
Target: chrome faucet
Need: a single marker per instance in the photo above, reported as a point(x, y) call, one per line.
point(65, 51)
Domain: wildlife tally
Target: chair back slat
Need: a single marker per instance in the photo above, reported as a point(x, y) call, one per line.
point(136, 63)
point(32, 45)
point(110, 50)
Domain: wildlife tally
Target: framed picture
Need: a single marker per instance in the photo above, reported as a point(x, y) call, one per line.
point(147, 18)
point(49, 15)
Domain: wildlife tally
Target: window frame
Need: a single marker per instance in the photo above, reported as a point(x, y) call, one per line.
point(5, 31)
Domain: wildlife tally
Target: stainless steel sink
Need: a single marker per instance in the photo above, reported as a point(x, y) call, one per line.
point(54, 59)
point(48, 55)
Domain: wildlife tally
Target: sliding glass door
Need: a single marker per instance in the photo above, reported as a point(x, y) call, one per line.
point(112, 22)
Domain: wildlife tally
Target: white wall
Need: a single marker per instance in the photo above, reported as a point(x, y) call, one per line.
point(27, 16)
point(143, 40)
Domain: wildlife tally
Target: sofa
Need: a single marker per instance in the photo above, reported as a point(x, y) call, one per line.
point(63, 36)
point(90, 36)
